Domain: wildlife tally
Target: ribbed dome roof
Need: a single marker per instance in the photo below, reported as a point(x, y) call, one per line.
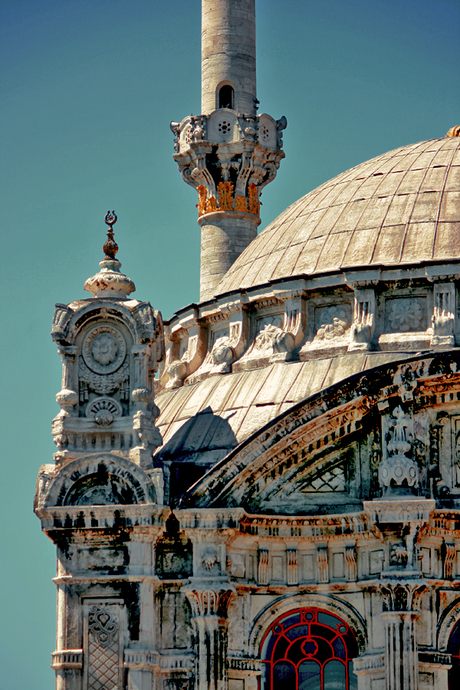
point(402, 207)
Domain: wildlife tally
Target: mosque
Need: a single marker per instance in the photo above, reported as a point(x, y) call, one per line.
point(263, 491)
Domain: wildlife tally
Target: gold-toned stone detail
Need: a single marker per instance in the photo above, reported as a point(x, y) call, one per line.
point(454, 131)
point(226, 200)
point(225, 191)
point(201, 205)
point(241, 204)
point(254, 203)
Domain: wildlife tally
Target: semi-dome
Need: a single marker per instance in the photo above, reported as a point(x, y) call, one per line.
point(400, 208)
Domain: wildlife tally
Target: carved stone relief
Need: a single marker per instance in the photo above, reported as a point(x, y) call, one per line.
point(397, 469)
point(103, 410)
point(406, 314)
point(362, 329)
point(104, 647)
point(332, 322)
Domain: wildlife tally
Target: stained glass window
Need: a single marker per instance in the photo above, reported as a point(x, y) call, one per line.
point(309, 649)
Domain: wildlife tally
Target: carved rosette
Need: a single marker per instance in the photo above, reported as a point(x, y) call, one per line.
point(103, 368)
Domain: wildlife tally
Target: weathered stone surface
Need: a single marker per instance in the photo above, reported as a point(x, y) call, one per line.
point(393, 210)
point(298, 522)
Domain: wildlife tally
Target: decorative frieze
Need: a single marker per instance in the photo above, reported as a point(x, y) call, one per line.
point(244, 664)
point(317, 528)
point(141, 659)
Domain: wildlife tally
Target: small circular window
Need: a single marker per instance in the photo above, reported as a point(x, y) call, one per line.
point(264, 133)
point(224, 127)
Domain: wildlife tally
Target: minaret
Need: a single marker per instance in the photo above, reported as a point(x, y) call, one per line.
point(229, 152)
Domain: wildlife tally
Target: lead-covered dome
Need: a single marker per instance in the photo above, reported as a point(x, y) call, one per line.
point(400, 208)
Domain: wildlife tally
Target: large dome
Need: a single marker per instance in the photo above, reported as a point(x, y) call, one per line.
point(400, 208)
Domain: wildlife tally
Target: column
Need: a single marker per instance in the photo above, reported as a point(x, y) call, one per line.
point(400, 618)
point(210, 623)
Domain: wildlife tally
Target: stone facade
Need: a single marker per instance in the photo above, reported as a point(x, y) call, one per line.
point(264, 490)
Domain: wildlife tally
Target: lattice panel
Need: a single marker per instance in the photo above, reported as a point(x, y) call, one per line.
point(104, 646)
point(331, 480)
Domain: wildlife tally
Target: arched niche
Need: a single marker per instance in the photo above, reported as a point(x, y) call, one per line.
point(104, 479)
point(225, 96)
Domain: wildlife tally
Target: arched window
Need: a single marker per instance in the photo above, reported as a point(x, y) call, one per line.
point(309, 649)
point(227, 97)
point(454, 650)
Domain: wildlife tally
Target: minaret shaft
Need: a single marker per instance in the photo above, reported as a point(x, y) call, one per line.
point(229, 153)
point(228, 54)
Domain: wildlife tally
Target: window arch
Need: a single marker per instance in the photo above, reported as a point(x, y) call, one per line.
point(454, 650)
point(226, 97)
point(309, 649)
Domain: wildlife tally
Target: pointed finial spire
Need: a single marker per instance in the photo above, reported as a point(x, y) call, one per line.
point(110, 281)
point(110, 247)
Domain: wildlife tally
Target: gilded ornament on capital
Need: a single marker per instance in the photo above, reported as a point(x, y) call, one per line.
point(225, 191)
point(241, 204)
point(211, 204)
point(254, 203)
point(201, 199)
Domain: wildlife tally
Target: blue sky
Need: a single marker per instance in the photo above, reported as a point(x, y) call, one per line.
point(88, 89)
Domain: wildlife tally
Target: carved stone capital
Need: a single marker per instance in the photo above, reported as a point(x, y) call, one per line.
point(248, 153)
point(401, 596)
point(209, 599)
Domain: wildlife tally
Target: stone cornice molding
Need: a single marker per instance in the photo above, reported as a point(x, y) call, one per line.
point(67, 518)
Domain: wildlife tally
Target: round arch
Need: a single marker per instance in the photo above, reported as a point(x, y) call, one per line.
point(106, 470)
point(449, 618)
point(285, 605)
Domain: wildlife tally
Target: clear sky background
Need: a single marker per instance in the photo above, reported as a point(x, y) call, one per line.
point(88, 88)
